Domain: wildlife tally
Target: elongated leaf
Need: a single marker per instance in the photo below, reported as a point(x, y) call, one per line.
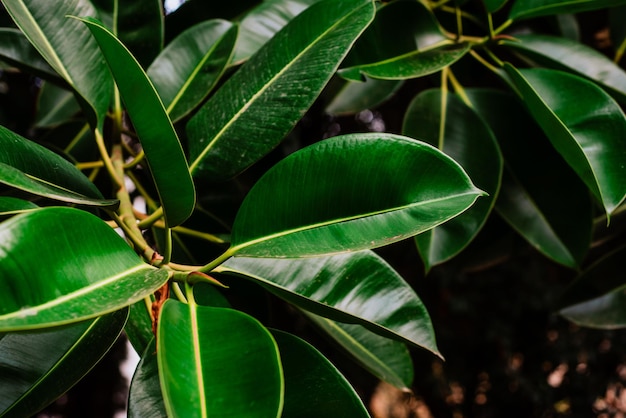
point(252, 112)
point(387, 359)
point(356, 288)
point(545, 202)
point(596, 299)
point(68, 47)
point(217, 362)
point(144, 397)
point(583, 123)
point(263, 22)
point(38, 367)
point(564, 54)
point(138, 328)
point(12, 205)
point(524, 9)
point(154, 128)
point(446, 122)
point(349, 193)
point(16, 50)
point(41, 163)
point(356, 96)
point(189, 67)
point(84, 270)
point(313, 386)
point(55, 106)
point(412, 65)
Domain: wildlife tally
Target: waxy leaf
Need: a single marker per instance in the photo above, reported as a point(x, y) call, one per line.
point(217, 362)
point(144, 397)
point(68, 47)
point(189, 67)
point(85, 270)
point(253, 111)
point(153, 127)
point(545, 202)
point(15, 49)
point(494, 5)
point(356, 288)
point(356, 96)
point(415, 64)
point(583, 123)
point(313, 386)
point(38, 367)
point(524, 9)
point(444, 121)
point(55, 106)
point(13, 205)
point(597, 297)
point(138, 328)
point(387, 359)
point(349, 193)
point(564, 54)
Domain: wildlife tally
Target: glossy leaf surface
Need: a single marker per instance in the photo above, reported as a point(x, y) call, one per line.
point(189, 67)
point(412, 65)
point(349, 193)
point(583, 123)
point(55, 106)
point(356, 96)
point(217, 362)
point(16, 50)
point(313, 386)
point(444, 121)
point(68, 47)
point(387, 359)
point(144, 397)
point(138, 328)
point(568, 55)
point(524, 9)
point(86, 269)
point(13, 205)
point(545, 202)
point(38, 367)
point(355, 288)
point(263, 100)
point(596, 299)
point(153, 127)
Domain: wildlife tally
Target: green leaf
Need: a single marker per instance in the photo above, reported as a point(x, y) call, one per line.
point(358, 288)
point(356, 96)
point(15, 49)
point(414, 64)
point(564, 54)
point(349, 193)
point(313, 386)
point(524, 9)
point(494, 5)
point(597, 297)
point(68, 47)
point(583, 123)
point(263, 22)
point(38, 367)
point(84, 270)
point(186, 71)
point(144, 397)
point(12, 205)
point(138, 328)
point(273, 89)
point(217, 362)
point(153, 127)
point(55, 106)
point(387, 359)
point(444, 121)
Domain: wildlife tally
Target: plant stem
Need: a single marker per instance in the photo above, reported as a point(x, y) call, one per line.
point(620, 52)
point(106, 159)
point(459, 90)
point(444, 106)
point(502, 27)
point(219, 260)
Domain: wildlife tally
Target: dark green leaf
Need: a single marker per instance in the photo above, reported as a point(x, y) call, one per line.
point(68, 47)
point(313, 386)
point(38, 367)
point(253, 111)
point(217, 362)
point(83, 270)
point(494, 5)
point(189, 67)
point(12, 205)
point(154, 128)
point(16, 50)
point(349, 193)
point(524, 9)
point(354, 288)
point(138, 328)
point(583, 123)
point(144, 397)
point(446, 122)
point(356, 96)
point(55, 106)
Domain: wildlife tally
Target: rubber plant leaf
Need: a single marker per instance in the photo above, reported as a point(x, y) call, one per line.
point(584, 124)
point(55, 106)
point(38, 367)
point(313, 385)
point(16, 50)
point(85, 270)
point(254, 110)
point(144, 397)
point(186, 71)
point(13, 206)
point(545, 202)
point(359, 288)
point(525, 9)
point(138, 328)
point(444, 121)
point(217, 362)
point(356, 96)
point(153, 127)
point(68, 47)
point(349, 193)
